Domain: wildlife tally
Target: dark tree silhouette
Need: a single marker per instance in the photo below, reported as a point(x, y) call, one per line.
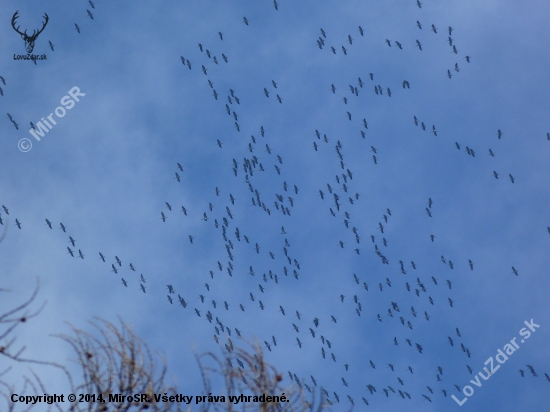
point(115, 361)
point(13, 354)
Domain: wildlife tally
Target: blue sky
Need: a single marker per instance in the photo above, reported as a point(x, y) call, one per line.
point(108, 167)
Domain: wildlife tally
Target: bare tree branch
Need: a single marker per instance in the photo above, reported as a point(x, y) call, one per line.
point(9, 321)
point(117, 365)
point(247, 373)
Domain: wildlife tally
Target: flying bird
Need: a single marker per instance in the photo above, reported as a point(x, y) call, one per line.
point(532, 370)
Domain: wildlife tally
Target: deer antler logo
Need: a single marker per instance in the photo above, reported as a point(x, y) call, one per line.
point(29, 40)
